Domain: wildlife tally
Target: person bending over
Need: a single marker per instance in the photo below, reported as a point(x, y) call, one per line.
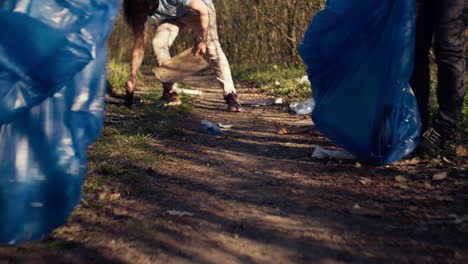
point(171, 16)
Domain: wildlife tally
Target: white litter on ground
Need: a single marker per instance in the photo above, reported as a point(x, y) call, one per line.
point(321, 153)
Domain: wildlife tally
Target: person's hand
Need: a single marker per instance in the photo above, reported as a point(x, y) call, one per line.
point(201, 48)
point(130, 84)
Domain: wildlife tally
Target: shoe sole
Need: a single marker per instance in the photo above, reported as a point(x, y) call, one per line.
point(234, 109)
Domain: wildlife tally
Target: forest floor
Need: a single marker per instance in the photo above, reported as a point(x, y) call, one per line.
point(251, 195)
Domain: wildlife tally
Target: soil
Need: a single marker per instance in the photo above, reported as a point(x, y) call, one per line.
point(255, 195)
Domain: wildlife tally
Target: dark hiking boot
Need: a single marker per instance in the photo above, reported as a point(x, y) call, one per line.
point(233, 103)
point(169, 99)
point(431, 140)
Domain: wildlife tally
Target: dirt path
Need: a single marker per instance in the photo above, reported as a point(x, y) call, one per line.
point(253, 195)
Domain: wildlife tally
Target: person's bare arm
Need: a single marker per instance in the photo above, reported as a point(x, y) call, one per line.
point(138, 52)
point(200, 7)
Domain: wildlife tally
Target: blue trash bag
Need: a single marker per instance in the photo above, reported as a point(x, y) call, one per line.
point(52, 99)
point(359, 59)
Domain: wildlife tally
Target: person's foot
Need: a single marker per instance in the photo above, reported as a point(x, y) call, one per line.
point(431, 140)
point(233, 103)
point(169, 99)
point(434, 143)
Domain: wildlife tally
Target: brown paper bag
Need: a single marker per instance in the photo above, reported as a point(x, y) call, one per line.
point(180, 66)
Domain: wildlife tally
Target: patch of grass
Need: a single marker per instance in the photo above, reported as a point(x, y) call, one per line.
point(277, 80)
point(121, 160)
point(117, 75)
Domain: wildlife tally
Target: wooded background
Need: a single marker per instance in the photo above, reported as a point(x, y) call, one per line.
point(251, 32)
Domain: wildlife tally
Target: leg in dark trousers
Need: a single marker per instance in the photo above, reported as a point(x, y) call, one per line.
point(443, 22)
point(420, 80)
point(449, 47)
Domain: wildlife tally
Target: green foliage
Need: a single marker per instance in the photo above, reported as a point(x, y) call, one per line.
point(277, 80)
point(250, 31)
point(119, 160)
point(117, 75)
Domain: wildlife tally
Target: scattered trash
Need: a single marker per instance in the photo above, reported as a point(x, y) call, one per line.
point(358, 165)
point(179, 213)
point(264, 102)
point(279, 101)
point(188, 91)
point(224, 127)
point(210, 128)
point(440, 176)
point(303, 107)
point(283, 131)
point(304, 79)
point(277, 83)
point(321, 153)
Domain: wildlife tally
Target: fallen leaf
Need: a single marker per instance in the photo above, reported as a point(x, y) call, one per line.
point(440, 176)
point(102, 196)
point(400, 178)
point(413, 161)
point(225, 127)
point(401, 186)
point(448, 161)
point(283, 131)
point(428, 186)
point(114, 196)
point(462, 151)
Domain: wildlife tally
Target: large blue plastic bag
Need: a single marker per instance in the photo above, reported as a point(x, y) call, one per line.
point(359, 59)
point(52, 88)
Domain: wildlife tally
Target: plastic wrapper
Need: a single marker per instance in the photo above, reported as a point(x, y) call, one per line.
point(52, 100)
point(359, 60)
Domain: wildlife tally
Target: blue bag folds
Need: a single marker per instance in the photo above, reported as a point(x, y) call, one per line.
point(359, 59)
point(52, 100)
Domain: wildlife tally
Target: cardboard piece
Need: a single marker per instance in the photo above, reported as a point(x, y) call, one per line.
point(180, 66)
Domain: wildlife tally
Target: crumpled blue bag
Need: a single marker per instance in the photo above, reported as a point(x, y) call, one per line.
point(52, 100)
point(359, 59)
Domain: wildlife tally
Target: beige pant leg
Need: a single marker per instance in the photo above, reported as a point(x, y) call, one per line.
point(165, 34)
point(214, 53)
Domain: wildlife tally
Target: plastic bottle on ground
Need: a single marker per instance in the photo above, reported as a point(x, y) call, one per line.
point(303, 107)
point(210, 128)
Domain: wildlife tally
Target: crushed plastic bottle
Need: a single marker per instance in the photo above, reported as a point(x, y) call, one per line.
point(210, 128)
point(303, 107)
